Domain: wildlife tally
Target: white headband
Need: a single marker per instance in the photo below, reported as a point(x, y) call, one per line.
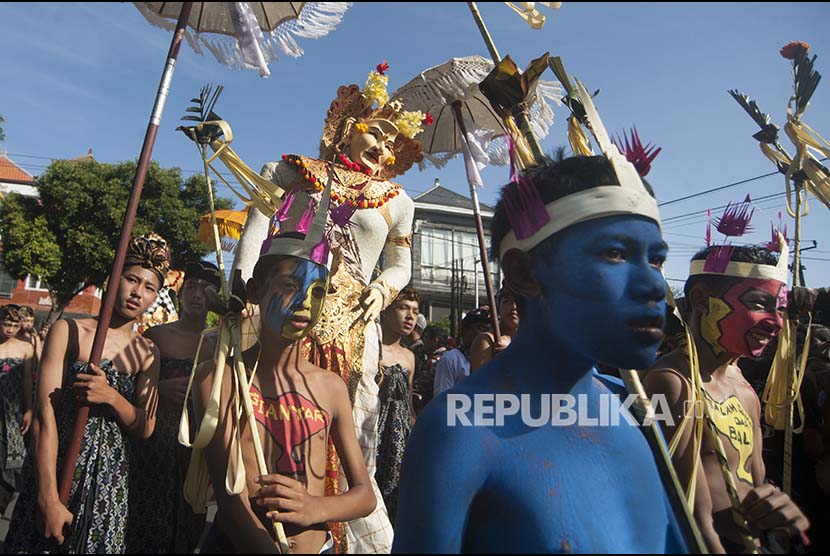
point(593, 203)
point(750, 270)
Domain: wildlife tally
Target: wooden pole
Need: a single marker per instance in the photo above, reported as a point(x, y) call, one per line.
point(482, 244)
point(70, 459)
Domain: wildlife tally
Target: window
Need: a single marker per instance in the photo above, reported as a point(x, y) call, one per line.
point(7, 281)
point(436, 254)
point(35, 283)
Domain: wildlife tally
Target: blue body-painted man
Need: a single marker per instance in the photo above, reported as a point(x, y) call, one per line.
point(589, 292)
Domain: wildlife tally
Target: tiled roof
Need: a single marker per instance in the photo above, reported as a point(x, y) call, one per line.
point(442, 196)
point(84, 158)
point(11, 172)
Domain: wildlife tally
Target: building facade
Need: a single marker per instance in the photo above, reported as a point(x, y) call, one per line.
point(446, 261)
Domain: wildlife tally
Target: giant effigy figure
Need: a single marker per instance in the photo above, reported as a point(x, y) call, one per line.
point(370, 141)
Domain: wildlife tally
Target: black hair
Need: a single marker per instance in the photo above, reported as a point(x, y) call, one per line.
point(202, 270)
point(755, 254)
point(434, 331)
point(25, 311)
point(10, 312)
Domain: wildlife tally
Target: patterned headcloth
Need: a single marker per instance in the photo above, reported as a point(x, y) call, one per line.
point(10, 313)
point(150, 252)
point(25, 311)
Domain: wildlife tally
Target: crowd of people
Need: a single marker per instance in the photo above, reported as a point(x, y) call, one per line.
point(139, 452)
point(350, 424)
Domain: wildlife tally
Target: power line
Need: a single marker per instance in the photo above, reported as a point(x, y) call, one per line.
point(714, 189)
point(721, 188)
point(679, 217)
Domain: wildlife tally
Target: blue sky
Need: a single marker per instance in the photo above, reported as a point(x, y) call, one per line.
point(78, 76)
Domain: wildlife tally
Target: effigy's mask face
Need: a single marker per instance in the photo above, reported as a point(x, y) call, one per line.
point(371, 143)
point(743, 319)
point(603, 289)
point(294, 296)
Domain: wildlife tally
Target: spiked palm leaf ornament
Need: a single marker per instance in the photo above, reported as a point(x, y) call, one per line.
point(804, 175)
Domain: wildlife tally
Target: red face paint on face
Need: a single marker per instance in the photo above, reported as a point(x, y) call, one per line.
point(755, 317)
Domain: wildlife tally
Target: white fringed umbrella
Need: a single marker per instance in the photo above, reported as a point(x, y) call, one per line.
point(249, 34)
point(435, 90)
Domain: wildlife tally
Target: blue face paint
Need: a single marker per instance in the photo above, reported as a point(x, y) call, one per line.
point(298, 289)
point(604, 292)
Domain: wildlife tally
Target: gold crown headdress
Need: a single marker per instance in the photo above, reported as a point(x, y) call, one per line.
point(355, 106)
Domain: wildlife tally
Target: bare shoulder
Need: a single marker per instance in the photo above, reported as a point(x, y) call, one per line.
point(84, 325)
point(60, 326)
point(28, 348)
point(58, 333)
point(484, 339)
point(156, 333)
point(144, 344)
point(326, 384)
point(322, 378)
point(21, 347)
point(148, 351)
point(669, 376)
point(208, 347)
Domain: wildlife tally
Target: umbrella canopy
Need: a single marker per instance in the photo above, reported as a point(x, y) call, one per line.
point(230, 224)
point(435, 89)
point(248, 34)
point(216, 17)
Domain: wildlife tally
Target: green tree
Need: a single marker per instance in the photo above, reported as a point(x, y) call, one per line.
point(2, 135)
point(67, 236)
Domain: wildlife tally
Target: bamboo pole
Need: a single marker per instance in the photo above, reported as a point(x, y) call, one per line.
point(644, 413)
point(791, 394)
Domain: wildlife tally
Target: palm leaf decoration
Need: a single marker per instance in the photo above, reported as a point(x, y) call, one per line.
point(203, 106)
point(769, 131)
point(806, 80)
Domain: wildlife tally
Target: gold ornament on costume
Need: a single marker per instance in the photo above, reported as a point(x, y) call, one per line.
point(349, 187)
